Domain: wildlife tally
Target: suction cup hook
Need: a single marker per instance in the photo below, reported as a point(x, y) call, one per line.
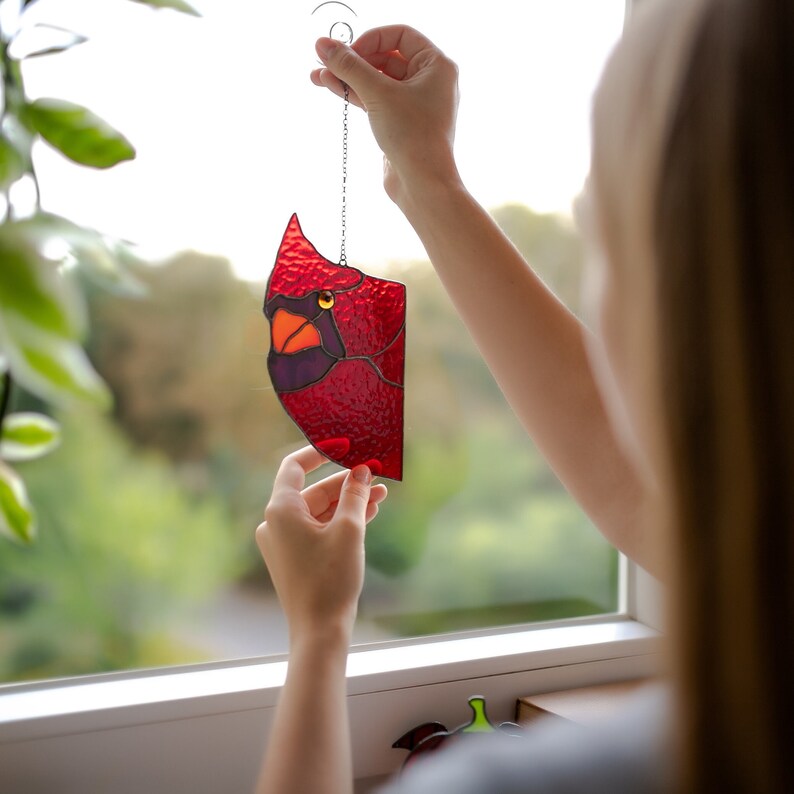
point(341, 31)
point(344, 32)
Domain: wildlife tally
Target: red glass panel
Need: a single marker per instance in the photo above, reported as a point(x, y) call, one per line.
point(337, 355)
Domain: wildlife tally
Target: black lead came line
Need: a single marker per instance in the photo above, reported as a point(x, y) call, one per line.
point(377, 369)
point(307, 321)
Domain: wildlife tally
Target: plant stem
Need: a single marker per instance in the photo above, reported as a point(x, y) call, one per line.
point(13, 105)
point(32, 172)
point(5, 399)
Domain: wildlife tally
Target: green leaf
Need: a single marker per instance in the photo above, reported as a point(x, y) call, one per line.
point(17, 134)
point(120, 281)
point(17, 519)
point(33, 41)
point(176, 5)
point(12, 163)
point(78, 133)
point(42, 317)
point(100, 260)
point(32, 287)
point(56, 48)
point(26, 436)
point(49, 366)
point(101, 263)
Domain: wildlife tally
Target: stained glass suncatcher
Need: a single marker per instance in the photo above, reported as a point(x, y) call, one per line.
point(337, 355)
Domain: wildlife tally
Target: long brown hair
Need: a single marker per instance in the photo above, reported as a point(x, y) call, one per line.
point(717, 251)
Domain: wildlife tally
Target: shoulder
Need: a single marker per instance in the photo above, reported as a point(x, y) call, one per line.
point(629, 753)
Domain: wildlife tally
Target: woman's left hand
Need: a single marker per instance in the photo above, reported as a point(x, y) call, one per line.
point(312, 541)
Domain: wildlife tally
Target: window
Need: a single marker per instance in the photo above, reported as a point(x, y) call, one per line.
point(145, 556)
point(201, 728)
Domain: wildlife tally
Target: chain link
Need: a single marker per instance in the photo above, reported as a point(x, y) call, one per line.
point(343, 254)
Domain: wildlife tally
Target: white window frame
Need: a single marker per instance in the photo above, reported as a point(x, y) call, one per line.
point(202, 728)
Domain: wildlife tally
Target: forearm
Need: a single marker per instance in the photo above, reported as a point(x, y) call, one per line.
point(535, 349)
point(532, 344)
point(309, 747)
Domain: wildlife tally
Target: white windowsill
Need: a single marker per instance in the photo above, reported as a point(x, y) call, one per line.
point(101, 702)
point(202, 728)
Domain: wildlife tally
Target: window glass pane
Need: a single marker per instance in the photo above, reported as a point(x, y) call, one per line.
point(145, 553)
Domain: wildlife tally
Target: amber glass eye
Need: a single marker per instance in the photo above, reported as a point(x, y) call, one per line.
point(326, 299)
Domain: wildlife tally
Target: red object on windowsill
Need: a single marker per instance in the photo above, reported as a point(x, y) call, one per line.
point(429, 737)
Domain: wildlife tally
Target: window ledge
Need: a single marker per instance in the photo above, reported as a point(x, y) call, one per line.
point(81, 705)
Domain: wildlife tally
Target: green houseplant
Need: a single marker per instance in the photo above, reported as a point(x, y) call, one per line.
point(42, 313)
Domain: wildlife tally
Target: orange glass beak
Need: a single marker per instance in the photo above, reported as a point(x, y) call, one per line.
point(293, 333)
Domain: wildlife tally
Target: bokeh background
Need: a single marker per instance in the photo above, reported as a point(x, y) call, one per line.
point(145, 554)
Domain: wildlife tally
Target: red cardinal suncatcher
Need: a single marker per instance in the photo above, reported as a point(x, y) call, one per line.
point(337, 355)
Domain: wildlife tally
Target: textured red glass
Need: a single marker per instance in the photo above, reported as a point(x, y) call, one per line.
point(337, 355)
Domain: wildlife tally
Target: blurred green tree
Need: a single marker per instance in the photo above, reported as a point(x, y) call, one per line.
point(124, 551)
point(480, 532)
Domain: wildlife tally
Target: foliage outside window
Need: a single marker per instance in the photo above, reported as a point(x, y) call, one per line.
point(144, 554)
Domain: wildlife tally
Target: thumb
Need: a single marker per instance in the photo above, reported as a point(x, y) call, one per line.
point(354, 496)
point(350, 67)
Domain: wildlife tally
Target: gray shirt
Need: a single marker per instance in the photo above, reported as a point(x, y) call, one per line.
point(628, 753)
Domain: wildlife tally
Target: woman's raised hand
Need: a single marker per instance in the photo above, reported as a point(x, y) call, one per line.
point(312, 541)
point(409, 89)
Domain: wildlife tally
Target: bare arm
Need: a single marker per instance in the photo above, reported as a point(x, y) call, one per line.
point(313, 543)
point(533, 345)
point(309, 747)
point(536, 350)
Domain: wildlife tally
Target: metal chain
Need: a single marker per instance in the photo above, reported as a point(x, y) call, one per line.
point(343, 254)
